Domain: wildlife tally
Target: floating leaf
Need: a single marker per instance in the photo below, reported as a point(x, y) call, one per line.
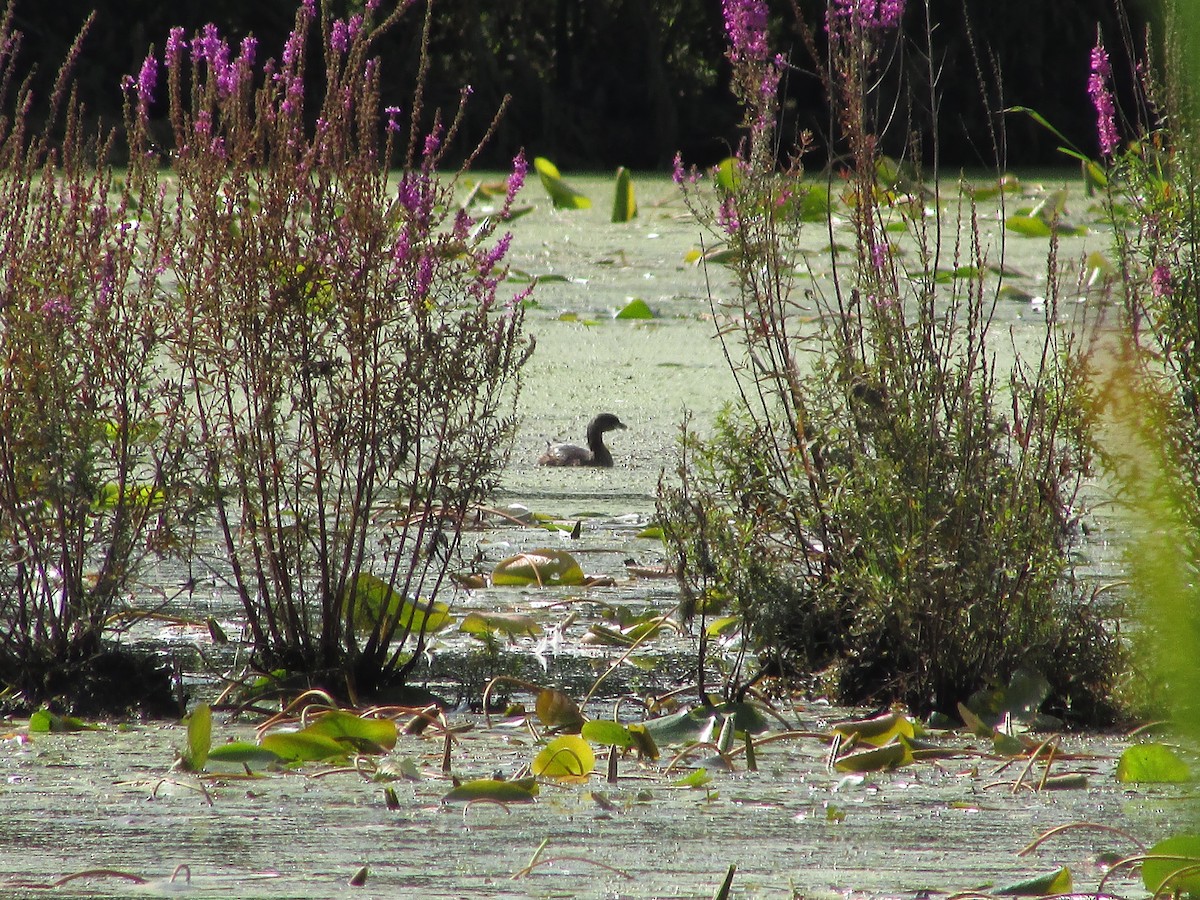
point(541, 567)
point(1056, 882)
point(556, 710)
point(889, 756)
point(521, 790)
point(815, 203)
point(242, 753)
point(375, 603)
point(303, 746)
point(566, 758)
point(878, 730)
point(199, 737)
point(643, 741)
point(363, 734)
point(637, 308)
point(1152, 763)
point(1028, 226)
point(607, 733)
point(726, 174)
point(45, 721)
point(719, 626)
point(696, 779)
point(652, 532)
point(510, 625)
point(562, 195)
point(624, 204)
point(1185, 852)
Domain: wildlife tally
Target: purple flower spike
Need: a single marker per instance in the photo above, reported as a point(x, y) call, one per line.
point(176, 47)
point(393, 118)
point(147, 79)
point(1102, 99)
point(746, 27)
point(339, 36)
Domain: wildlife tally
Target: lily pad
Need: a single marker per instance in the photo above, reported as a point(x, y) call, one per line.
point(566, 758)
point(889, 756)
point(364, 734)
point(1056, 882)
point(608, 734)
point(542, 567)
point(637, 308)
point(624, 203)
point(242, 753)
point(562, 195)
point(510, 625)
point(303, 746)
point(1181, 852)
point(878, 730)
point(1151, 764)
point(521, 790)
point(556, 710)
point(376, 603)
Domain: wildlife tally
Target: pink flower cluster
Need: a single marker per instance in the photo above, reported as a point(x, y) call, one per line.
point(746, 27)
point(1102, 100)
point(870, 15)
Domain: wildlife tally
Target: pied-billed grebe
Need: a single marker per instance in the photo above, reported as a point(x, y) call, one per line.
point(594, 454)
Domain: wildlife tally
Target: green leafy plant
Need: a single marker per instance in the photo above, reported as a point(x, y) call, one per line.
point(96, 481)
point(883, 503)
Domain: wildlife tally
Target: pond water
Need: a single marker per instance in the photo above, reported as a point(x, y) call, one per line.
point(108, 799)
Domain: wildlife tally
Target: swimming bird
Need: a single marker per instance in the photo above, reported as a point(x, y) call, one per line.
point(594, 454)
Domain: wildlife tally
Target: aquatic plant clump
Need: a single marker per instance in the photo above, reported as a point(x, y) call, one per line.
point(351, 365)
point(95, 480)
point(883, 504)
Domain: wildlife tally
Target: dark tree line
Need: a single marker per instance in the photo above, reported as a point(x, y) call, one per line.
point(600, 83)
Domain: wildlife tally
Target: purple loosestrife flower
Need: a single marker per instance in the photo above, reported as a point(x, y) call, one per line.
point(1102, 100)
point(869, 15)
point(1160, 282)
point(209, 45)
point(176, 47)
point(424, 275)
point(147, 79)
point(339, 36)
point(58, 309)
point(727, 216)
point(516, 178)
point(494, 255)
point(393, 118)
point(746, 27)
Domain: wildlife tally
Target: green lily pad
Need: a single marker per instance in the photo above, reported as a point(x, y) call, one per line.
point(510, 625)
point(365, 735)
point(303, 746)
point(199, 738)
point(376, 603)
point(521, 790)
point(542, 567)
point(1180, 852)
point(878, 730)
point(1028, 226)
point(44, 721)
point(608, 734)
point(1151, 764)
point(624, 203)
point(637, 308)
point(562, 195)
point(566, 758)
point(1056, 882)
point(242, 753)
point(877, 759)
